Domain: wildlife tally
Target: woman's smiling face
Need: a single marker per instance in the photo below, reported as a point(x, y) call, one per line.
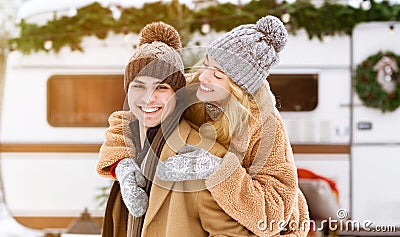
point(214, 83)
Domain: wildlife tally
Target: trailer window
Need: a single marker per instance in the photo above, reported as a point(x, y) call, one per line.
point(83, 100)
point(295, 92)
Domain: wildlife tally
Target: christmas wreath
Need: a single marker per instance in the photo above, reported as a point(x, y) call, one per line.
point(377, 81)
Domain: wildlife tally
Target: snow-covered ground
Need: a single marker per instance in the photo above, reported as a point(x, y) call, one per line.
point(9, 227)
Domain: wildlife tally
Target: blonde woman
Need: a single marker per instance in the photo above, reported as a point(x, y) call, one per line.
point(256, 183)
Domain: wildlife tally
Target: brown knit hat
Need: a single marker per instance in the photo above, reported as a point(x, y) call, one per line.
point(157, 56)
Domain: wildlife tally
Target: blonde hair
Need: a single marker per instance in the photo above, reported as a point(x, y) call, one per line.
point(233, 121)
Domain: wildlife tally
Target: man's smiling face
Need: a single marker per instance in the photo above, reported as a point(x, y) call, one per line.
point(150, 100)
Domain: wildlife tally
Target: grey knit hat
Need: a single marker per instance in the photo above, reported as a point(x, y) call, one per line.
point(247, 52)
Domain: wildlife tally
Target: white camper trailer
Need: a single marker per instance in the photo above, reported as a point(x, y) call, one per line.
point(55, 108)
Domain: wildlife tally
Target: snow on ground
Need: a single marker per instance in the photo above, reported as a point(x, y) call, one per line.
point(9, 227)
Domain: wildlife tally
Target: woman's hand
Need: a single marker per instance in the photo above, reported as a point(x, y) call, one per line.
point(191, 163)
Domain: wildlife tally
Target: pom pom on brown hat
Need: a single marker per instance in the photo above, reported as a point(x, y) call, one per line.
point(157, 56)
point(162, 32)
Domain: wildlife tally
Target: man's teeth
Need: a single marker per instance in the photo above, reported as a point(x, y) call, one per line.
point(150, 110)
point(205, 88)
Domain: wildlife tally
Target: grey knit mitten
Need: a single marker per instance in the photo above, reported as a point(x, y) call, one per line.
point(191, 163)
point(131, 182)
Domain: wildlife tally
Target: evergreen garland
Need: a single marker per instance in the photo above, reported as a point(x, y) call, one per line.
point(370, 91)
point(328, 19)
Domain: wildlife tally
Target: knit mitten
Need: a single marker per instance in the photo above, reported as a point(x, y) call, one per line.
point(131, 182)
point(191, 163)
